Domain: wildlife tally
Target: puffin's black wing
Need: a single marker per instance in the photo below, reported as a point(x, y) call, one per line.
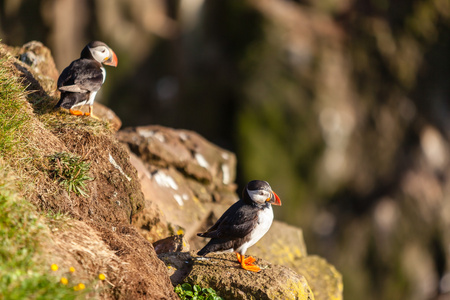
point(238, 221)
point(81, 76)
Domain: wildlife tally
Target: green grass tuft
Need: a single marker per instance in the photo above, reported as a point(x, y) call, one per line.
point(71, 171)
point(186, 292)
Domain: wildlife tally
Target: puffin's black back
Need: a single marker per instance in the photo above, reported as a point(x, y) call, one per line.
point(84, 73)
point(232, 228)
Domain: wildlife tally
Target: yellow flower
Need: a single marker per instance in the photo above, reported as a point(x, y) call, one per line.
point(180, 232)
point(54, 267)
point(101, 276)
point(79, 287)
point(64, 280)
point(71, 269)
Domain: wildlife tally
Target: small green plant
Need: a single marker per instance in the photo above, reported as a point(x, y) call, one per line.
point(71, 171)
point(195, 292)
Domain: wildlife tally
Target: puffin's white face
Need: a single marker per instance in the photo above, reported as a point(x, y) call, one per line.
point(101, 53)
point(259, 196)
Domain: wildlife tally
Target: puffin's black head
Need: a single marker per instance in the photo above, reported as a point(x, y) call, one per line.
point(100, 52)
point(259, 192)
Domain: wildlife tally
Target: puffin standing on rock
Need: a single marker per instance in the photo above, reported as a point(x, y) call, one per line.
point(243, 224)
point(81, 80)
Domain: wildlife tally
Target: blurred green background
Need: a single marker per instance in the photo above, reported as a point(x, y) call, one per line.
point(342, 105)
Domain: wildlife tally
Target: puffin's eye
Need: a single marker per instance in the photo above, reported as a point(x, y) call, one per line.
point(104, 50)
point(261, 193)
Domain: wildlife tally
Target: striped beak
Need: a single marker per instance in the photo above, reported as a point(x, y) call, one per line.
point(112, 60)
point(274, 199)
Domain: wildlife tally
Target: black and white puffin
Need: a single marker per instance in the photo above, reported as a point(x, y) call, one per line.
point(81, 80)
point(243, 224)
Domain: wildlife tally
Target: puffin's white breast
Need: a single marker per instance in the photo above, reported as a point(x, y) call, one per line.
point(104, 74)
point(265, 219)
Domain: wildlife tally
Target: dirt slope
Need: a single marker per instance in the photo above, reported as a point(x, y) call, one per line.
point(94, 233)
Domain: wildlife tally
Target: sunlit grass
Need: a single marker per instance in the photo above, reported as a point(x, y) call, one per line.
point(12, 120)
point(23, 272)
point(22, 231)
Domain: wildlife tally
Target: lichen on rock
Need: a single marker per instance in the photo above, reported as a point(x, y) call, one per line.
point(223, 273)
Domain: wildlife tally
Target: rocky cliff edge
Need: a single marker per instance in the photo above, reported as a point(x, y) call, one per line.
point(149, 188)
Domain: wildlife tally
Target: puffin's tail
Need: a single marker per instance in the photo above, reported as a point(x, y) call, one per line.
point(68, 99)
point(215, 245)
point(203, 251)
point(59, 102)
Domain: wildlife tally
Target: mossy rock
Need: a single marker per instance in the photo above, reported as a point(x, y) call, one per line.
point(223, 273)
point(324, 279)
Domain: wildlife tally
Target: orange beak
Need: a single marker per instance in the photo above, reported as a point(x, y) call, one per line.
point(274, 200)
point(112, 60)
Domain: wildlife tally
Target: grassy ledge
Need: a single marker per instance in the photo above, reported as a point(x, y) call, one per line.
point(23, 272)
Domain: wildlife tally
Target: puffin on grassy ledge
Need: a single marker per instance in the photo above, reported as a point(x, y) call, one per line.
point(83, 78)
point(243, 224)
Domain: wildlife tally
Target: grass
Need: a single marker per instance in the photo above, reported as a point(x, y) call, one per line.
point(22, 276)
point(12, 120)
point(186, 292)
point(71, 171)
point(33, 149)
point(23, 272)
point(60, 120)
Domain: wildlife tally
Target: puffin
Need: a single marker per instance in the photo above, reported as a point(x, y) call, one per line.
point(243, 224)
point(81, 80)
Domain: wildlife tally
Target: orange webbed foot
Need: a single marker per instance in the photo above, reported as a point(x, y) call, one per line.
point(247, 263)
point(249, 260)
point(75, 112)
point(252, 268)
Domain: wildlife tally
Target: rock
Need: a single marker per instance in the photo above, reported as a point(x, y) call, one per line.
point(185, 150)
point(151, 221)
point(107, 114)
point(39, 58)
point(325, 281)
point(281, 244)
point(178, 264)
point(223, 273)
point(181, 173)
point(174, 243)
